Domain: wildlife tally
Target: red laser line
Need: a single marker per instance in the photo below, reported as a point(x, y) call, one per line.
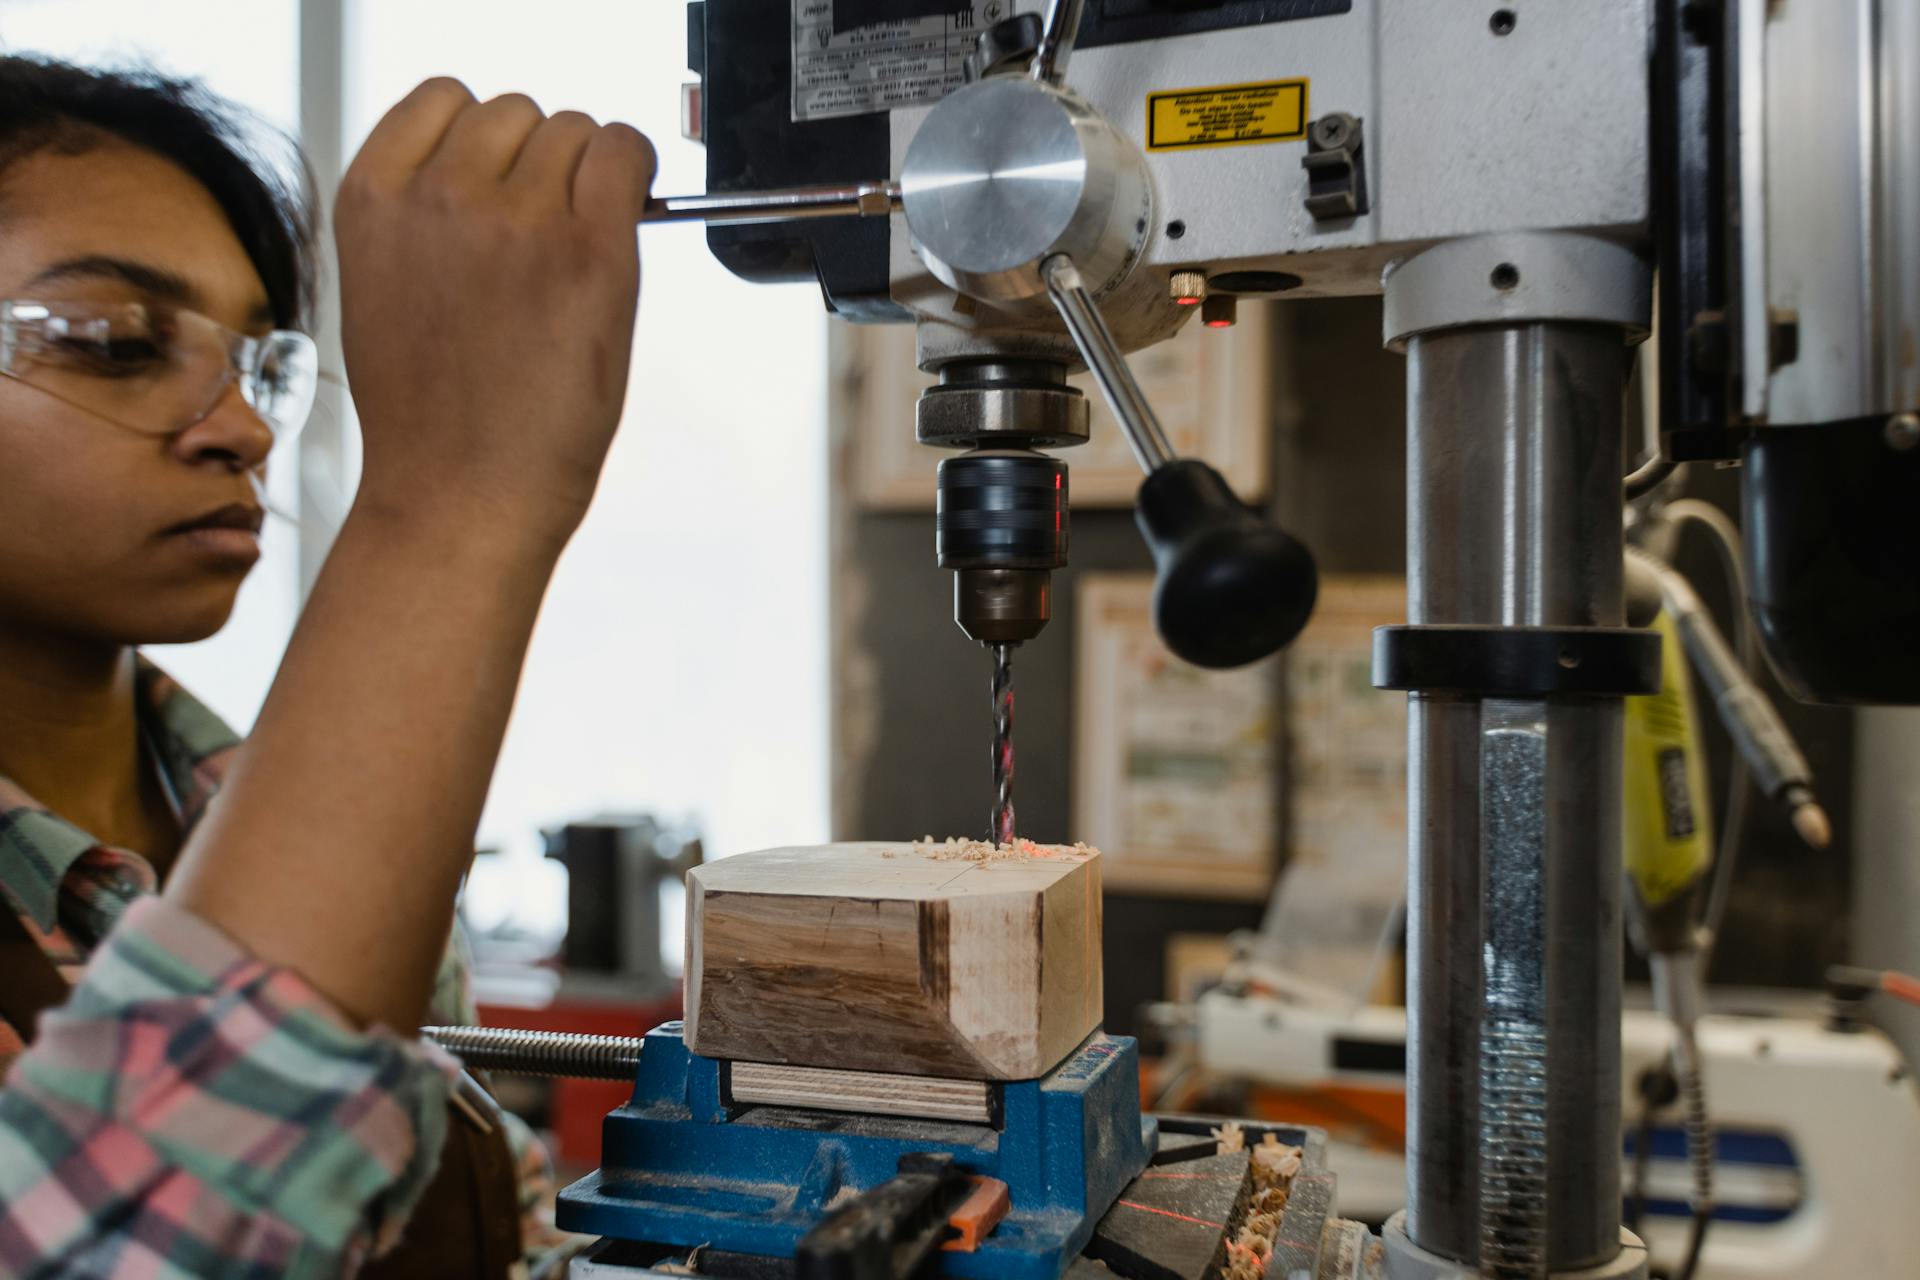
point(1168, 1213)
point(1231, 1177)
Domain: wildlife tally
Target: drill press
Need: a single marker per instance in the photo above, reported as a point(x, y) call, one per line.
point(1067, 207)
point(1505, 180)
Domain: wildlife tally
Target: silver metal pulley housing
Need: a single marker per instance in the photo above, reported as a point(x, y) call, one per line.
point(1007, 172)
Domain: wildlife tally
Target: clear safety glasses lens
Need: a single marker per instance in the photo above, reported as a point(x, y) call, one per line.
point(156, 370)
point(279, 379)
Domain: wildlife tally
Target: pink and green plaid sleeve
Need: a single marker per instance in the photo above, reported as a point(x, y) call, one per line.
point(193, 1112)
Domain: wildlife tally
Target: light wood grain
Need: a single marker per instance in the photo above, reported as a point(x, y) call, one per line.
point(861, 1092)
point(880, 957)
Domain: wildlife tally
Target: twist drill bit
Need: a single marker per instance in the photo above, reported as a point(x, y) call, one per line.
point(1002, 685)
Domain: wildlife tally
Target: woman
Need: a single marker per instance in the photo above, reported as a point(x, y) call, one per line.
point(234, 1086)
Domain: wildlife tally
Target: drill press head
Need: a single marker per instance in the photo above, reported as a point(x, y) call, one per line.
point(1003, 174)
point(1002, 520)
point(1007, 172)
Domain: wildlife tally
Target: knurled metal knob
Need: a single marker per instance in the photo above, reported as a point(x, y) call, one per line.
point(1187, 288)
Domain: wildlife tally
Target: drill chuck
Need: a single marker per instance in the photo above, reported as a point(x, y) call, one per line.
point(1002, 526)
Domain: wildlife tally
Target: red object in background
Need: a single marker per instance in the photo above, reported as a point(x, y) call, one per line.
point(1375, 1118)
point(580, 1105)
point(1895, 983)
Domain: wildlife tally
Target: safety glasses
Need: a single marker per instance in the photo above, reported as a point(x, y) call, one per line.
point(155, 369)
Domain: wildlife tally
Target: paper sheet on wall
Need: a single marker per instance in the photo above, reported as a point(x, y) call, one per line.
point(1174, 765)
point(1345, 876)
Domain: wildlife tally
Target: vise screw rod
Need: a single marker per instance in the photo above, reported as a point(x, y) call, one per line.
point(843, 200)
point(540, 1053)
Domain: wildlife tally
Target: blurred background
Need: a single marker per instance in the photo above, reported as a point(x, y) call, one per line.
point(749, 645)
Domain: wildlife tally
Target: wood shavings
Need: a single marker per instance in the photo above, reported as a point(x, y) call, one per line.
point(1274, 1165)
point(1228, 1137)
point(1276, 1161)
point(691, 1267)
point(954, 849)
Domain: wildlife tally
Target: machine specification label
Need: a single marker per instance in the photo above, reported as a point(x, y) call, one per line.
point(1227, 115)
point(886, 65)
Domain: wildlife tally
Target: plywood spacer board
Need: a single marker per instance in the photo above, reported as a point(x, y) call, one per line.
point(861, 1092)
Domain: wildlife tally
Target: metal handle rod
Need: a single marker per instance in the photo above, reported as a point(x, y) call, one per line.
point(1747, 31)
point(1056, 40)
point(1108, 366)
point(844, 200)
point(540, 1053)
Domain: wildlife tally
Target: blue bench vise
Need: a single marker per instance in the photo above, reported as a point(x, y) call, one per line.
point(683, 1165)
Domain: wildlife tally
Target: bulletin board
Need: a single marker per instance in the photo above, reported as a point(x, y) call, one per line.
point(1178, 770)
point(1333, 919)
point(1175, 766)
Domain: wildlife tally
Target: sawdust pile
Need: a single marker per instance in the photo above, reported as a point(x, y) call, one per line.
point(1274, 1164)
point(954, 849)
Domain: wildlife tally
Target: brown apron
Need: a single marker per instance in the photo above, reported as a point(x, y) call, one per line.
point(467, 1224)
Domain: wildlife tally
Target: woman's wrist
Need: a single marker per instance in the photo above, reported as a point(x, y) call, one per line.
point(455, 529)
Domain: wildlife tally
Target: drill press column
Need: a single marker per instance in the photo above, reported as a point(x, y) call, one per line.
point(1517, 364)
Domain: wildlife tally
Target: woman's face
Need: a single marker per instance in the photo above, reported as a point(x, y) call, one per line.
point(108, 533)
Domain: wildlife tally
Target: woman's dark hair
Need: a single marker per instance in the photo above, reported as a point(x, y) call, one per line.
point(53, 106)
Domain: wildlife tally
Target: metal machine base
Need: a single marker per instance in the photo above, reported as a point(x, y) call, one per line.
point(1408, 1261)
point(683, 1165)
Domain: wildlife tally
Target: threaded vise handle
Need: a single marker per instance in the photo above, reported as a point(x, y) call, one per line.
point(540, 1053)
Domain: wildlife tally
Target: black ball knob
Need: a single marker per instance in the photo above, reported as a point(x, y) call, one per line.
point(1232, 588)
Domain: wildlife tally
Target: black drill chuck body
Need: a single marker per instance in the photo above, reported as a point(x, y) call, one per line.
point(1001, 510)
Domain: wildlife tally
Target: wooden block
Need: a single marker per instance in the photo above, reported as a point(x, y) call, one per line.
point(887, 957)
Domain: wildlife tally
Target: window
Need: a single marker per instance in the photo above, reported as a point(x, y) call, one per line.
point(680, 666)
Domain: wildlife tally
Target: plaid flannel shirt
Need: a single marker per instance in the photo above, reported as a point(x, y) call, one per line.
point(192, 1111)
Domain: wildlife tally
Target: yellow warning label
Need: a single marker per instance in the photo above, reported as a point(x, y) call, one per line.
point(1227, 115)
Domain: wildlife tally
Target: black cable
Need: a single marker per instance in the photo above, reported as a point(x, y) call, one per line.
point(1642, 1157)
point(1732, 831)
point(1658, 1088)
point(1696, 1241)
point(1726, 540)
point(1699, 1153)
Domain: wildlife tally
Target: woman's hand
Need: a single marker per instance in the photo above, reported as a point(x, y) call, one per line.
point(489, 271)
